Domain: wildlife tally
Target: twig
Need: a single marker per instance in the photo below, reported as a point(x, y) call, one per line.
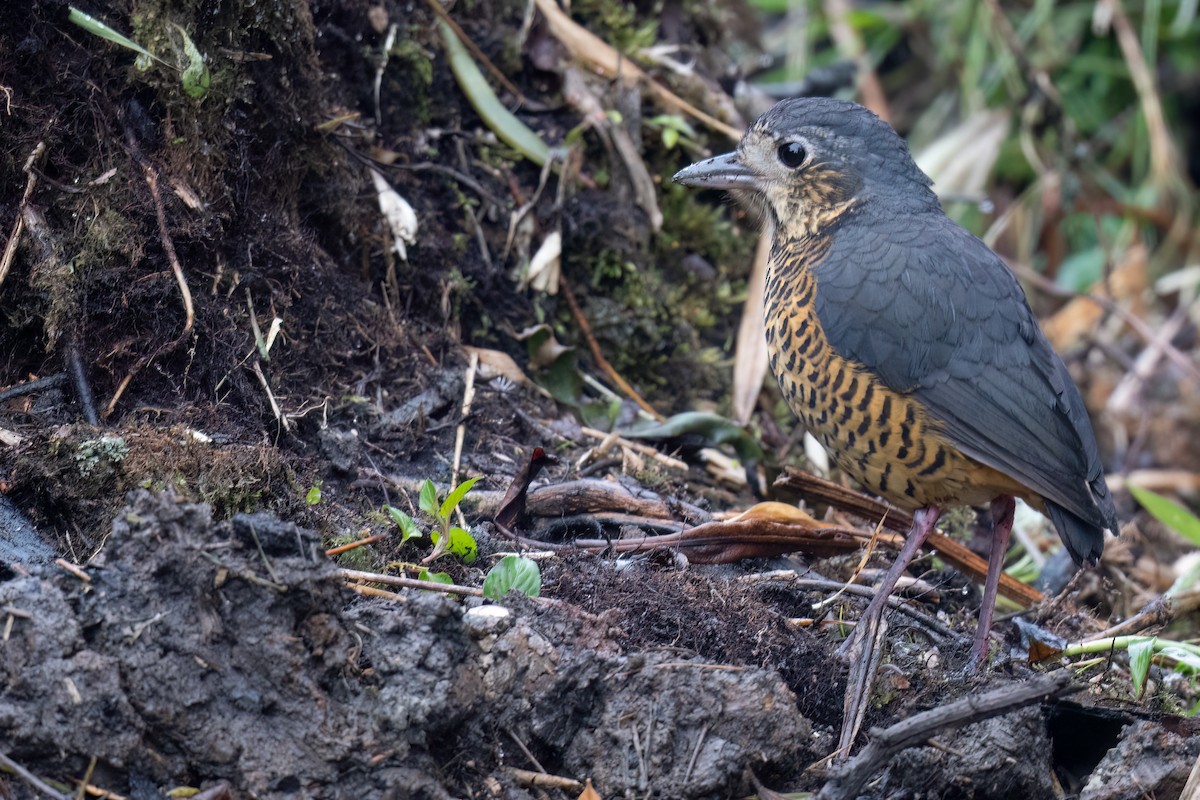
point(279, 415)
point(1124, 396)
point(590, 49)
point(532, 758)
point(164, 234)
point(334, 551)
point(79, 381)
point(601, 361)
point(460, 432)
point(74, 569)
point(1139, 326)
point(900, 604)
point(151, 175)
point(372, 591)
point(29, 387)
point(851, 778)
point(87, 779)
point(1163, 156)
point(244, 574)
point(10, 247)
point(1157, 612)
point(29, 777)
point(1191, 790)
point(643, 449)
point(409, 583)
point(866, 653)
point(529, 778)
point(819, 490)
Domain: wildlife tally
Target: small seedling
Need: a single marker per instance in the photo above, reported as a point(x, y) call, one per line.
point(434, 577)
point(513, 572)
point(194, 75)
point(408, 528)
point(446, 536)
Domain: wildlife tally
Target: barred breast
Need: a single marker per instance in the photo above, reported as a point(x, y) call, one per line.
point(880, 437)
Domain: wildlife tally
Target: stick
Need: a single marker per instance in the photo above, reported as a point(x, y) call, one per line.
point(850, 779)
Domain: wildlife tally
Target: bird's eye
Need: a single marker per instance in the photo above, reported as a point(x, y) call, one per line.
point(792, 155)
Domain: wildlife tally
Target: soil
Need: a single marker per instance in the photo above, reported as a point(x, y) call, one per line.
point(207, 641)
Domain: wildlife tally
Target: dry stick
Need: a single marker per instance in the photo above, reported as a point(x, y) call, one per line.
point(859, 680)
point(599, 56)
point(819, 490)
point(409, 583)
point(30, 778)
point(529, 778)
point(87, 779)
point(334, 551)
point(851, 778)
point(896, 603)
point(10, 248)
point(168, 245)
point(1157, 612)
point(601, 361)
point(1122, 398)
point(1191, 790)
point(460, 432)
point(29, 387)
point(1140, 327)
point(1163, 156)
point(279, 415)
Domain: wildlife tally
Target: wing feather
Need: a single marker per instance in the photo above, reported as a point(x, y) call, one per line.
point(933, 312)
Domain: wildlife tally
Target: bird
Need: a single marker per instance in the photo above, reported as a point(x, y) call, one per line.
point(905, 345)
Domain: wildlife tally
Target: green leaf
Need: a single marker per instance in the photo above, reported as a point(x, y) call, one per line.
point(1140, 654)
point(455, 497)
point(313, 497)
point(670, 138)
point(408, 528)
point(513, 572)
point(499, 119)
point(428, 501)
point(434, 577)
point(462, 544)
point(195, 75)
point(712, 429)
point(98, 28)
point(1169, 513)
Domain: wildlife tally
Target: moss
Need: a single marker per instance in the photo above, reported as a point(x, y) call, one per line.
point(409, 78)
point(617, 23)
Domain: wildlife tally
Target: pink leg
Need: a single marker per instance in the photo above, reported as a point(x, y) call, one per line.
point(1002, 520)
point(924, 521)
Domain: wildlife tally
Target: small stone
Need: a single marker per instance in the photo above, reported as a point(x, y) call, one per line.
point(484, 621)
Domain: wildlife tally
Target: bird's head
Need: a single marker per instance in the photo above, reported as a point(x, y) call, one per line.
point(813, 159)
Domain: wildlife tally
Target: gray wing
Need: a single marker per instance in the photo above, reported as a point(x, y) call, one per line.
point(933, 312)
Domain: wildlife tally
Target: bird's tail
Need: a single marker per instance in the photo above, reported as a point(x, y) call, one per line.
point(1084, 541)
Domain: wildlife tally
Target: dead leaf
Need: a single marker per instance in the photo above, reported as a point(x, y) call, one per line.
point(399, 214)
point(961, 159)
point(750, 357)
point(545, 267)
point(498, 364)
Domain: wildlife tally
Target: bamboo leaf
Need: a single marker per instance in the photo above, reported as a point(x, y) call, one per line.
point(499, 119)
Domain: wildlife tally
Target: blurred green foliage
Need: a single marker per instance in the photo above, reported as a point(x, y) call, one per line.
point(1071, 89)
